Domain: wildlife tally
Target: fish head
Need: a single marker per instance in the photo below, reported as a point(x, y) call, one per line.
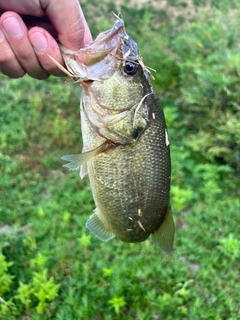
point(115, 84)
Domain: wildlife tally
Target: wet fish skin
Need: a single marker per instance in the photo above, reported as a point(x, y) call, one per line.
point(125, 144)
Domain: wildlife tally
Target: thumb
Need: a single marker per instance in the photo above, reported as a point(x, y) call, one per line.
point(69, 21)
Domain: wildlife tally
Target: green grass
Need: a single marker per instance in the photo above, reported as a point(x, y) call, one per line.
point(51, 266)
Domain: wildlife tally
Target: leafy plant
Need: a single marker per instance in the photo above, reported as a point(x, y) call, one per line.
point(230, 247)
point(117, 303)
point(5, 277)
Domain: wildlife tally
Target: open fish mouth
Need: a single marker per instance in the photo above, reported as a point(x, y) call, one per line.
point(105, 43)
point(97, 61)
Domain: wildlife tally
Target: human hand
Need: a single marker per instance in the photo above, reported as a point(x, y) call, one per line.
point(28, 32)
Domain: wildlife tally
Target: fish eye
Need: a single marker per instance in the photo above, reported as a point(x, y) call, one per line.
point(131, 67)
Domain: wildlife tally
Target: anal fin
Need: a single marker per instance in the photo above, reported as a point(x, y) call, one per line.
point(96, 225)
point(163, 237)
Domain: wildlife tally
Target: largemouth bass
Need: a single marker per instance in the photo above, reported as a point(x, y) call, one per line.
point(125, 143)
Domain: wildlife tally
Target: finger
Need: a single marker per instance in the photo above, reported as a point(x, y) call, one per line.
point(9, 64)
point(16, 34)
point(72, 29)
point(44, 44)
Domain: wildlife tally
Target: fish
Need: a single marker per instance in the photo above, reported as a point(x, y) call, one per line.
point(125, 142)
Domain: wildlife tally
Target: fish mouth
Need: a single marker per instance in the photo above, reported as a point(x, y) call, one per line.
point(100, 47)
point(98, 60)
point(105, 43)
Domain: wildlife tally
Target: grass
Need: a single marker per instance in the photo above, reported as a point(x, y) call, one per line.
point(52, 267)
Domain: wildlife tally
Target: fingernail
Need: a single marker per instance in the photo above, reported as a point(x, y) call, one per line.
point(12, 28)
point(39, 41)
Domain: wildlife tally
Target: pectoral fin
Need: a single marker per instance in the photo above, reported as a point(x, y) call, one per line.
point(96, 225)
point(77, 160)
point(163, 237)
